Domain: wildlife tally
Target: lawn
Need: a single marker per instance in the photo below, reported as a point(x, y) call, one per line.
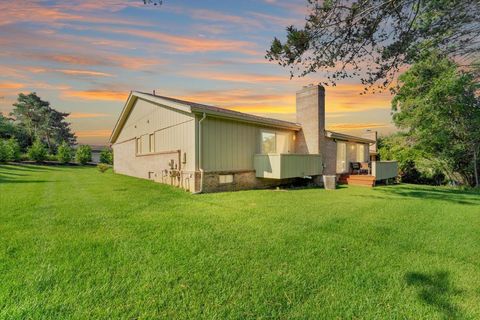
point(79, 244)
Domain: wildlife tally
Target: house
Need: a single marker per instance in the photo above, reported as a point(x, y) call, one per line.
point(202, 148)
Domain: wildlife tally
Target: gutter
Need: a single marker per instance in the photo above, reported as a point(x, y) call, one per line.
point(200, 153)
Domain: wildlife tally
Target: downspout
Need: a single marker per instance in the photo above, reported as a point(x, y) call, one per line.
point(200, 153)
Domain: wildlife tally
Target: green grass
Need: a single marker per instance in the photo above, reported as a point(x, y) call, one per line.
point(79, 244)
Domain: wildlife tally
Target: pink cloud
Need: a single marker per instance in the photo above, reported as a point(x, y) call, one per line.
point(14, 12)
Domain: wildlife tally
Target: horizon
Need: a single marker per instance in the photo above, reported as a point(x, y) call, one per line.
point(85, 57)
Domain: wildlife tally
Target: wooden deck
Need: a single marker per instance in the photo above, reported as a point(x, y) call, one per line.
point(357, 180)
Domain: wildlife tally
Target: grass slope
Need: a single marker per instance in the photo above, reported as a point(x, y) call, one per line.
point(78, 244)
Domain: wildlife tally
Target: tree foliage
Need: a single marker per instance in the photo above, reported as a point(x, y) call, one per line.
point(153, 2)
point(3, 151)
point(64, 153)
point(106, 156)
point(439, 110)
point(7, 127)
point(37, 151)
point(84, 154)
point(13, 149)
point(373, 39)
point(415, 166)
point(41, 122)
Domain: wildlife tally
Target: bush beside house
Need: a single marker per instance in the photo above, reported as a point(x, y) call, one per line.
point(106, 156)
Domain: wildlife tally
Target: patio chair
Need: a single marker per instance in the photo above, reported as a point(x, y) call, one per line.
point(365, 167)
point(355, 167)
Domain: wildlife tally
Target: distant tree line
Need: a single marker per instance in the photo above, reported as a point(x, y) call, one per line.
point(35, 131)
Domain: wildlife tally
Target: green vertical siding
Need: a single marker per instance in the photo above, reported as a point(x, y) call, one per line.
point(231, 145)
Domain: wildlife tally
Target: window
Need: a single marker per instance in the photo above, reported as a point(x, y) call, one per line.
point(225, 178)
point(152, 143)
point(360, 152)
point(139, 146)
point(341, 157)
point(268, 142)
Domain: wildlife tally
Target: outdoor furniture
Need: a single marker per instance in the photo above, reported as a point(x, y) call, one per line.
point(365, 167)
point(355, 167)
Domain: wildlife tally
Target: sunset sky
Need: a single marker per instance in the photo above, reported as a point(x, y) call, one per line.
point(85, 57)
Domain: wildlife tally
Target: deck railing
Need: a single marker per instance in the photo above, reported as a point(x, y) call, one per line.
point(382, 170)
point(284, 166)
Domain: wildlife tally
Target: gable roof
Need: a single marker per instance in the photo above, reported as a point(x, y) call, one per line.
point(194, 108)
point(347, 137)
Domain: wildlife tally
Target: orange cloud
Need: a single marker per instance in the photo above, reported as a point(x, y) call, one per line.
point(83, 73)
point(343, 98)
point(77, 59)
point(100, 59)
point(93, 133)
point(97, 95)
point(355, 126)
point(82, 115)
point(189, 44)
point(237, 77)
point(347, 97)
point(244, 100)
point(11, 85)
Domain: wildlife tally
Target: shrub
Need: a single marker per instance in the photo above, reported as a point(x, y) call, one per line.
point(84, 154)
point(64, 153)
point(106, 156)
point(3, 151)
point(51, 157)
point(102, 167)
point(37, 151)
point(12, 149)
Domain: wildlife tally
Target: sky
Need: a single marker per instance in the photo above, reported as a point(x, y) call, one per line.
point(85, 56)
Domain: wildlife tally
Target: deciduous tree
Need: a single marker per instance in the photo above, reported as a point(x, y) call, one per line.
point(437, 106)
point(373, 39)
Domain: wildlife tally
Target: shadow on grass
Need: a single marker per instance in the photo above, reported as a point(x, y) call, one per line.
point(433, 193)
point(7, 180)
point(436, 289)
point(11, 173)
point(24, 167)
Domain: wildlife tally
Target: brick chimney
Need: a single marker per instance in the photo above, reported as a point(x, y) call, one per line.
point(310, 107)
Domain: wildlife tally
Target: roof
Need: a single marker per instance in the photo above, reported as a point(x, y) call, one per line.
point(346, 137)
point(192, 107)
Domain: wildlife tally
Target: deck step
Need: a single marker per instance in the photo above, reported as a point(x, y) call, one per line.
point(359, 180)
